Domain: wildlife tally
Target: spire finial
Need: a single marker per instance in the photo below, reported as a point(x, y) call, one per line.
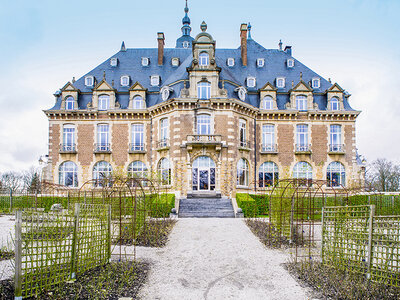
point(280, 45)
point(186, 8)
point(249, 30)
point(301, 75)
point(104, 74)
point(203, 26)
point(123, 48)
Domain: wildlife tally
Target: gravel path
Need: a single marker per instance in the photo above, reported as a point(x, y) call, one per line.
point(218, 259)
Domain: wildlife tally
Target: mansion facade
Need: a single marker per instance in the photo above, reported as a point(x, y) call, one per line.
point(203, 119)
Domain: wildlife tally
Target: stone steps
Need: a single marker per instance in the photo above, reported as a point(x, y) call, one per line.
point(206, 208)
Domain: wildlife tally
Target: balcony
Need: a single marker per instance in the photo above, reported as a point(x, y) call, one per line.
point(67, 148)
point(244, 145)
point(303, 149)
point(163, 144)
point(137, 148)
point(269, 149)
point(336, 149)
point(102, 148)
point(204, 140)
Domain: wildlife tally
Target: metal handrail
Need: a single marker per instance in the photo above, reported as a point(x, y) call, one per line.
point(336, 148)
point(65, 147)
point(303, 148)
point(164, 143)
point(102, 148)
point(269, 148)
point(204, 138)
point(137, 147)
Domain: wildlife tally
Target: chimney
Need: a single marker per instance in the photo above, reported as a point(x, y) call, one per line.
point(288, 50)
point(160, 38)
point(243, 43)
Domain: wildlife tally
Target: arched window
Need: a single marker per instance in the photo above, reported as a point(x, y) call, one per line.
point(268, 174)
point(204, 90)
point(335, 174)
point(138, 102)
point(137, 169)
point(267, 103)
point(69, 103)
point(102, 171)
point(203, 124)
point(68, 174)
point(104, 102)
point(243, 172)
point(335, 103)
point(301, 102)
point(303, 170)
point(164, 171)
point(203, 59)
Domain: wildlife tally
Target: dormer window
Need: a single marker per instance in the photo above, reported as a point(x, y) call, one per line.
point(155, 80)
point(113, 62)
point(230, 62)
point(280, 82)
point(204, 90)
point(89, 80)
point(203, 59)
point(316, 83)
point(290, 63)
point(241, 93)
point(185, 44)
point(251, 81)
point(267, 103)
point(104, 102)
point(335, 103)
point(137, 102)
point(125, 80)
point(260, 62)
point(175, 61)
point(69, 103)
point(145, 61)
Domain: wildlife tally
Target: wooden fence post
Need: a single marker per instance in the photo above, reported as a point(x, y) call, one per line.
point(109, 233)
point(322, 233)
point(18, 255)
point(75, 242)
point(370, 234)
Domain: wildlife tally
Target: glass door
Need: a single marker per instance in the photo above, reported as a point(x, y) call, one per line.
point(203, 174)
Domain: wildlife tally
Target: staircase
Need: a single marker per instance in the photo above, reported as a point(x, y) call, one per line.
point(205, 205)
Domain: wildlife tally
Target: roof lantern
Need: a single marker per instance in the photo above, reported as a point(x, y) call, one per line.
point(185, 41)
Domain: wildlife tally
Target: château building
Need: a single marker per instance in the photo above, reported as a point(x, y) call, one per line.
point(203, 118)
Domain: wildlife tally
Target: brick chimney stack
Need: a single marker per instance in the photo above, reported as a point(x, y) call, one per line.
point(243, 43)
point(160, 39)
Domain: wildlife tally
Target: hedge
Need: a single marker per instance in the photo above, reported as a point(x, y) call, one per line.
point(161, 205)
point(247, 204)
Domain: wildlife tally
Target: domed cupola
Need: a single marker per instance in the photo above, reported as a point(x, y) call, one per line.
point(185, 41)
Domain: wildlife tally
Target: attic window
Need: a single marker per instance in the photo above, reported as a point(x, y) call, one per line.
point(175, 61)
point(280, 82)
point(251, 81)
point(145, 61)
point(230, 62)
point(316, 83)
point(125, 80)
point(290, 63)
point(260, 62)
point(155, 80)
point(185, 44)
point(113, 62)
point(89, 80)
point(204, 59)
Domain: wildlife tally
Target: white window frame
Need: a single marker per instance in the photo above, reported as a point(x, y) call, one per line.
point(302, 170)
point(242, 171)
point(137, 169)
point(103, 135)
point(203, 90)
point(185, 44)
point(338, 168)
point(290, 63)
point(301, 103)
point(138, 102)
point(68, 101)
point(66, 170)
point(204, 59)
point(316, 83)
point(113, 62)
point(336, 101)
point(104, 102)
point(230, 62)
point(124, 80)
point(101, 169)
point(265, 168)
point(268, 137)
point(302, 136)
point(242, 133)
point(280, 82)
point(267, 99)
point(251, 81)
point(164, 129)
point(89, 81)
point(260, 62)
point(137, 137)
point(175, 61)
point(335, 136)
point(145, 61)
point(155, 80)
point(203, 125)
point(68, 136)
point(164, 171)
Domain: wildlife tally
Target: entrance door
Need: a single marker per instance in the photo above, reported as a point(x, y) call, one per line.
point(203, 172)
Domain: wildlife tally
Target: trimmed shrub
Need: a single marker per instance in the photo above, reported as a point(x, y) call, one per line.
point(247, 204)
point(160, 205)
point(262, 202)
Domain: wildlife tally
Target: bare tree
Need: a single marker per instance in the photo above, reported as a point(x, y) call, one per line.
point(384, 175)
point(11, 180)
point(31, 180)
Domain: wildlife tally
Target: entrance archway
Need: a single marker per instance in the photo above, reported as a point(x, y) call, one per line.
point(203, 174)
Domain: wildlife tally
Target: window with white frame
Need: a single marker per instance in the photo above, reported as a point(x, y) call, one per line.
point(280, 82)
point(175, 61)
point(336, 174)
point(203, 124)
point(104, 102)
point(230, 62)
point(155, 80)
point(251, 81)
point(204, 90)
point(267, 103)
point(204, 59)
point(335, 104)
point(137, 169)
point(102, 171)
point(301, 103)
point(69, 103)
point(68, 138)
point(268, 138)
point(164, 171)
point(268, 174)
point(242, 133)
point(303, 170)
point(302, 138)
point(103, 137)
point(138, 102)
point(316, 83)
point(113, 62)
point(137, 131)
point(242, 172)
point(290, 63)
point(125, 80)
point(185, 44)
point(68, 174)
point(164, 130)
point(335, 138)
point(260, 62)
point(89, 80)
point(145, 61)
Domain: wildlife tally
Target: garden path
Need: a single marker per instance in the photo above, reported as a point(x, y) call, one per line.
point(218, 259)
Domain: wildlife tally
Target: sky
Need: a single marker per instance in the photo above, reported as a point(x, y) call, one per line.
point(45, 43)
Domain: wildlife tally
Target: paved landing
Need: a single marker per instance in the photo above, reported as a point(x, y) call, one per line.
point(218, 259)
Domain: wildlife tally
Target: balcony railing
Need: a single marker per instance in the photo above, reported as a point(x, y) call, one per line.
point(204, 138)
point(67, 148)
point(303, 148)
point(164, 143)
point(102, 148)
point(336, 148)
point(137, 148)
point(269, 148)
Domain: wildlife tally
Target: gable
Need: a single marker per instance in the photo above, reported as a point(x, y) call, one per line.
point(69, 87)
point(103, 86)
point(137, 87)
point(268, 87)
point(302, 87)
point(335, 88)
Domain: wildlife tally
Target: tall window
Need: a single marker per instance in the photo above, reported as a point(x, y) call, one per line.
point(204, 90)
point(335, 103)
point(68, 174)
point(137, 169)
point(68, 138)
point(268, 174)
point(102, 171)
point(164, 171)
point(335, 137)
point(302, 137)
point(303, 170)
point(242, 133)
point(69, 103)
point(268, 138)
point(203, 59)
point(104, 102)
point(203, 124)
point(164, 132)
point(137, 102)
point(301, 102)
point(243, 172)
point(103, 142)
point(336, 174)
point(137, 137)
point(267, 103)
